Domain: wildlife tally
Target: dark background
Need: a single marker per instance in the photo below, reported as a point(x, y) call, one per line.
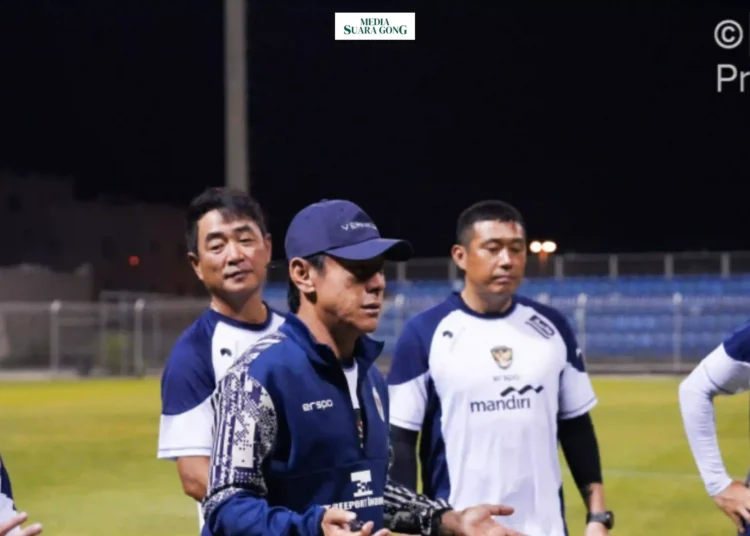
point(603, 126)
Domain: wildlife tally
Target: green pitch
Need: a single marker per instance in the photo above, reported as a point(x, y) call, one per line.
point(82, 459)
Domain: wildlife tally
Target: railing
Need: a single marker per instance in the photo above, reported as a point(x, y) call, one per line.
point(134, 338)
point(561, 266)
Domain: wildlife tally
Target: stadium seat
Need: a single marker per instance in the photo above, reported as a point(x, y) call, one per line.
point(628, 317)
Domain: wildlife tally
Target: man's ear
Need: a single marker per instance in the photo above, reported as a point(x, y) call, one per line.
point(458, 253)
point(195, 263)
point(300, 272)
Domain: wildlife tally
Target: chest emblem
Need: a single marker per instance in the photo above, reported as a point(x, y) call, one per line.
point(503, 356)
point(378, 403)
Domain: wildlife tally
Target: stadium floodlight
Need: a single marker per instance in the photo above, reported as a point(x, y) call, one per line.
point(535, 246)
point(548, 246)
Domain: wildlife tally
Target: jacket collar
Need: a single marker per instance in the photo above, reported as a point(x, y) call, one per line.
point(366, 350)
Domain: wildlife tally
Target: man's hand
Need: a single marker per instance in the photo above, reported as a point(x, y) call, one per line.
point(734, 501)
point(596, 529)
point(17, 521)
point(477, 521)
point(337, 522)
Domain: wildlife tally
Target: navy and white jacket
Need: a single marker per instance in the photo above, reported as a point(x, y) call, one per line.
point(287, 443)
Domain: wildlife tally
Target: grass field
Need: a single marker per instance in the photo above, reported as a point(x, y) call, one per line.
point(82, 459)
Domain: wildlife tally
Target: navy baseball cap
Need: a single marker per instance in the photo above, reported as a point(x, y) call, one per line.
point(341, 229)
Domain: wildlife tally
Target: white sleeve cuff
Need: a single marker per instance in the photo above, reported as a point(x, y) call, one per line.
point(717, 486)
point(174, 454)
point(581, 410)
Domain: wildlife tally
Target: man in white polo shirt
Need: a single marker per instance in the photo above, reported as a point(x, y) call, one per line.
point(229, 249)
point(492, 380)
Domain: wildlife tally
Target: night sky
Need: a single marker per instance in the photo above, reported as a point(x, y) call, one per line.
point(603, 126)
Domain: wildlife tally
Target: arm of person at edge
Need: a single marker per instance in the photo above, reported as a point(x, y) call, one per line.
point(10, 519)
point(725, 371)
point(12, 527)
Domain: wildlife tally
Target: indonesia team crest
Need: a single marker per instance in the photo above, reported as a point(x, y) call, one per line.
point(503, 356)
point(378, 403)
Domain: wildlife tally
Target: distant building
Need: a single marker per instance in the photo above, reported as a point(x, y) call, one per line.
point(129, 246)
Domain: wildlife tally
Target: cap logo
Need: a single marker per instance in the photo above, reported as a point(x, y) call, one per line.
point(358, 225)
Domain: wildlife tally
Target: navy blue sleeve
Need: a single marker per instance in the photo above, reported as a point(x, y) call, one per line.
point(410, 355)
point(246, 428)
point(188, 377)
point(243, 514)
point(186, 422)
point(5, 487)
point(737, 344)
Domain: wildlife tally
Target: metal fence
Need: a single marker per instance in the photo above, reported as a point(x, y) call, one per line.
point(134, 338)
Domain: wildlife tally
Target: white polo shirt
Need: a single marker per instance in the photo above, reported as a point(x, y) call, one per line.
point(487, 392)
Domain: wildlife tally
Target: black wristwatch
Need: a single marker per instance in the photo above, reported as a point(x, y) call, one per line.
point(605, 518)
point(437, 520)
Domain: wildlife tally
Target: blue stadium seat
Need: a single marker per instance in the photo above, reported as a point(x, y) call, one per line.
point(625, 318)
point(628, 317)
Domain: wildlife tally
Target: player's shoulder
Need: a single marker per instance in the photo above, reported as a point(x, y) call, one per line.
point(219, 325)
point(425, 323)
point(552, 325)
point(193, 346)
point(545, 319)
point(737, 343)
point(188, 377)
point(269, 356)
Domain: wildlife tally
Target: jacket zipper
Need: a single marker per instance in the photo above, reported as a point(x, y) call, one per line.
point(361, 440)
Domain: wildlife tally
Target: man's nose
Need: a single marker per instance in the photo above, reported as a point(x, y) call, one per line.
point(234, 252)
point(504, 258)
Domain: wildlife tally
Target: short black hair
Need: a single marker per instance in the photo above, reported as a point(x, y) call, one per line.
point(489, 210)
point(292, 292)
point(231, 203)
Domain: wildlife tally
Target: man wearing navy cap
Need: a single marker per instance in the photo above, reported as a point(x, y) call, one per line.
point(302, 417)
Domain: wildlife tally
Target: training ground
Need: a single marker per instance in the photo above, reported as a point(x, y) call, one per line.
point(82, 456)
